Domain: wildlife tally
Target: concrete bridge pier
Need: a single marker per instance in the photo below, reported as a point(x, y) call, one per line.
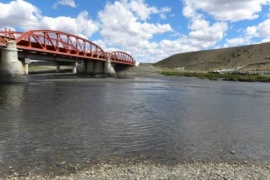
point(90, 68)
point(11, 69)
point(26, 62)
point(109, 69)
point(96, 68)
point(74, 69)
point(99, 68)
point(82, 68)
point(57, 67)
point(86, 68)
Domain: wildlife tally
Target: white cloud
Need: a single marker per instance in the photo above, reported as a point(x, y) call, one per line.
point(263, 29)
point(198, 23)
point(200, 37)
point(265, 40)
point(251, 31)
point(124, 24)
point(188, 10)
point(236, 42)
point(29, 17)
point(229, 10)
point(176, 46)
point(203, 33)
point(206, 35)
point(142, 10)
point(101, 44)
point(70, 3)
point(80, 25)
point(163, 12)
point(251, 35)
point(259, 31)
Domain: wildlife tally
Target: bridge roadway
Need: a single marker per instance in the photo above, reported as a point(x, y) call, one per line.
point(61, 47)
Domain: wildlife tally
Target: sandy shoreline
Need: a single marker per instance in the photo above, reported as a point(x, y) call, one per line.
point(148, 171)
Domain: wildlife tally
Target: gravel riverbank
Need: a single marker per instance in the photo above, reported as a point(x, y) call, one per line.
point(186, 171)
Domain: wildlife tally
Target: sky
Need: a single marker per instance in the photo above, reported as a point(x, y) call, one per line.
point(149, 30)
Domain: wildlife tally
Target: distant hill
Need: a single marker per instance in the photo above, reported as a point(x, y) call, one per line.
point(251, 58)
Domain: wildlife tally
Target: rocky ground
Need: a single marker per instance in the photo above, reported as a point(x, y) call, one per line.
point(147, 171)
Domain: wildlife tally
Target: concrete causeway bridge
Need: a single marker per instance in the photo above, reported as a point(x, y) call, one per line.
point(18, 48)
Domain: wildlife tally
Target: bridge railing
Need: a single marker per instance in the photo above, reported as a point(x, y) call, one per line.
point(8, 35)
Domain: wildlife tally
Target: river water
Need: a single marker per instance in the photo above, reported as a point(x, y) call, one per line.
point(56, 123)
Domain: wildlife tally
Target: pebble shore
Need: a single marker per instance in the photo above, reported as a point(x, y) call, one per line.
point(184, 171)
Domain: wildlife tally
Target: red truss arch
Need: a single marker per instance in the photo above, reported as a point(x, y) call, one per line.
point(56, 43)
point(2, 41)
point(121, 57)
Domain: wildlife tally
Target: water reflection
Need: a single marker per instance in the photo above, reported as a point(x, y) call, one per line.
point(12, 94)
point(12, 97)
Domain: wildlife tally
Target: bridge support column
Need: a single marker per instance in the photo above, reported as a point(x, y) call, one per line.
point(99, 68)
point(26, 62)
point(74, 69)
point(109, 70)
point(96, 68)
point(57, 67)
point(11, 69)
point(82, 67)
point(90, 67)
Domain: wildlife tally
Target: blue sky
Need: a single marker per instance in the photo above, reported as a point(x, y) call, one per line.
point(149, 30)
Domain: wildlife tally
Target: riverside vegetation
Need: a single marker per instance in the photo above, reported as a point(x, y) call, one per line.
point(148, 68)
point(217, 76)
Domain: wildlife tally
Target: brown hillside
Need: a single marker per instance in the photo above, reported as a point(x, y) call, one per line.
point(251, 57)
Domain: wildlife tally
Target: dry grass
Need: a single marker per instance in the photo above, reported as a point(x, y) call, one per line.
point(254, 57)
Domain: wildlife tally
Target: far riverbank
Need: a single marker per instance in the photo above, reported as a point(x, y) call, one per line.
point(217, 76)
point(150, 70)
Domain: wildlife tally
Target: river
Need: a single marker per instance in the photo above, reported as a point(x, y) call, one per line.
point(57, 123)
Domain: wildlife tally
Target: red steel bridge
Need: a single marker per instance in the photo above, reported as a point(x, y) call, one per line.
point(61, 44)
